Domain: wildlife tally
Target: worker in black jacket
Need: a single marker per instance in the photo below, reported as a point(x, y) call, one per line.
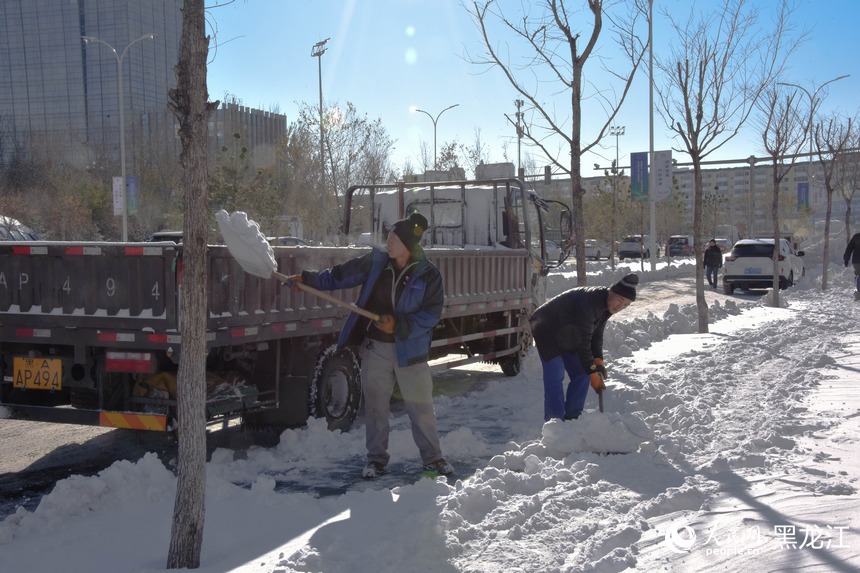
point(568, 333)
point(852, 254)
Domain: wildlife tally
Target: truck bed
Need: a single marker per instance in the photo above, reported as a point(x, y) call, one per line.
point(83, 291)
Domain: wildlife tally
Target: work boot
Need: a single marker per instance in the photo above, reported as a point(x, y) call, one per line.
point(372, 470)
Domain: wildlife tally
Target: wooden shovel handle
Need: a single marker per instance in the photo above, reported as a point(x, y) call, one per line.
point(327, 297)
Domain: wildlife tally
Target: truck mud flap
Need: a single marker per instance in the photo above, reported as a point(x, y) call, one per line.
point(127, 420)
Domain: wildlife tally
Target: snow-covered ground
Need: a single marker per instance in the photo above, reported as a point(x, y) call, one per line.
point(733, 450)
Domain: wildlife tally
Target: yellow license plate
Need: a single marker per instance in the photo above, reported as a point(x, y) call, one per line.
point(38, 373)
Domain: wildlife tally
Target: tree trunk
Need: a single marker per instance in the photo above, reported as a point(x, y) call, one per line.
point(827, 217)
point(701, 303)
point(192, 110)
point(774, 213)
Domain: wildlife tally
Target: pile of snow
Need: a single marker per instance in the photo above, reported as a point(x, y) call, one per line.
point(711, 446)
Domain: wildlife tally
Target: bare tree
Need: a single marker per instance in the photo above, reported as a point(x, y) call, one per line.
point(188, 101)
point(783, 132)
point(713, 77)
point(832, 138)
point(851, 174)
point(553, 39)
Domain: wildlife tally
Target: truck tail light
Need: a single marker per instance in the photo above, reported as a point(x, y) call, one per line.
point(129, 362)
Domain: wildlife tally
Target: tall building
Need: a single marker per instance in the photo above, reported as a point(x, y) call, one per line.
point(59, 91)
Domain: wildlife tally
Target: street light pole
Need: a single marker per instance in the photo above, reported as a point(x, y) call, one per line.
point(812, 105)
point(434, 120)
point(119, 81)
point(519, 103)
point(317, 52)
point(616, 130)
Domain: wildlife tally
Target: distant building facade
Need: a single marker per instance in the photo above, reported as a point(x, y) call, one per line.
point(742, 194)
point(60, 92)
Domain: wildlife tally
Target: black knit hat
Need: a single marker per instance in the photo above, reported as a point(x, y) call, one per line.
point(626, 287)
point(410, 230)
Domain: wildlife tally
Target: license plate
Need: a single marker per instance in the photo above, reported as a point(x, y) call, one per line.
point(38, 373)
point(752, 271)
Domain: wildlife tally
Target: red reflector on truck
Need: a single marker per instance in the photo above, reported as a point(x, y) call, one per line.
point(129, 362)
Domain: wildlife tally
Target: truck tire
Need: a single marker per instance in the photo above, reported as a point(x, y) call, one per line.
point(336, 387)
point(511, 365)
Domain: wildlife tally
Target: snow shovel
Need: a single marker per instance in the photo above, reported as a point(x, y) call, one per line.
point(600, 395)
point(254, 254)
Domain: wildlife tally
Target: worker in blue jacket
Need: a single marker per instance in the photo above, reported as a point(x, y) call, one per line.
point(405, 289)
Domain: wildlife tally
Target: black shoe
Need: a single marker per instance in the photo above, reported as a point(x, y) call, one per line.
point(372, 470)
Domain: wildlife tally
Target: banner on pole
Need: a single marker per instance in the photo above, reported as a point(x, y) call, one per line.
point(131, 193)
point(662, 175)
point(639, 176)
point(117, 196)
point(802, 195)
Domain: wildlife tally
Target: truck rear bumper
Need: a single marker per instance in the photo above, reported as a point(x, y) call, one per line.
point(67, 415)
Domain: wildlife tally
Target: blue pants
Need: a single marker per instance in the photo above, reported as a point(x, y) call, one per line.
point(857, 275)
point(555, 403)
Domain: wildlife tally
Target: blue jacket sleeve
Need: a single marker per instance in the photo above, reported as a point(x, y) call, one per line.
point(349, 274)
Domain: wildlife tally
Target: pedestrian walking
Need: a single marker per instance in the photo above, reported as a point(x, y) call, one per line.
point(713, 260)
point(852, 254)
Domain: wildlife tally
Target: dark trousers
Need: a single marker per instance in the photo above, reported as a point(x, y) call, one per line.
point(713, 274)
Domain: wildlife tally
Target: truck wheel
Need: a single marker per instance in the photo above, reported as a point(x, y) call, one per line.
point(511, 365)
point(336, 388)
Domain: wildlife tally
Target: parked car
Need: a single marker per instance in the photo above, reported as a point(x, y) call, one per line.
point(553, 251)
point(288, 241)
point(595, 249)
point(166, 236)
point(13, 230)
point(750, 265)
point(723, 244)
point(636, 246)
point(681, 246)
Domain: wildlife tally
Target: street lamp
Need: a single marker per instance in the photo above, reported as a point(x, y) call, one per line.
point(812, 105)
point(519, 103)
point(434, 120)
point(119, 59)
point(317, 52)
point(617, 131)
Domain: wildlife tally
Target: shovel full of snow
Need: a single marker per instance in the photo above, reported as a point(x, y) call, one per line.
point(254, 254)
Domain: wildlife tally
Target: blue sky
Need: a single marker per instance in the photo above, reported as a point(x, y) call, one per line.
point(386, 56)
